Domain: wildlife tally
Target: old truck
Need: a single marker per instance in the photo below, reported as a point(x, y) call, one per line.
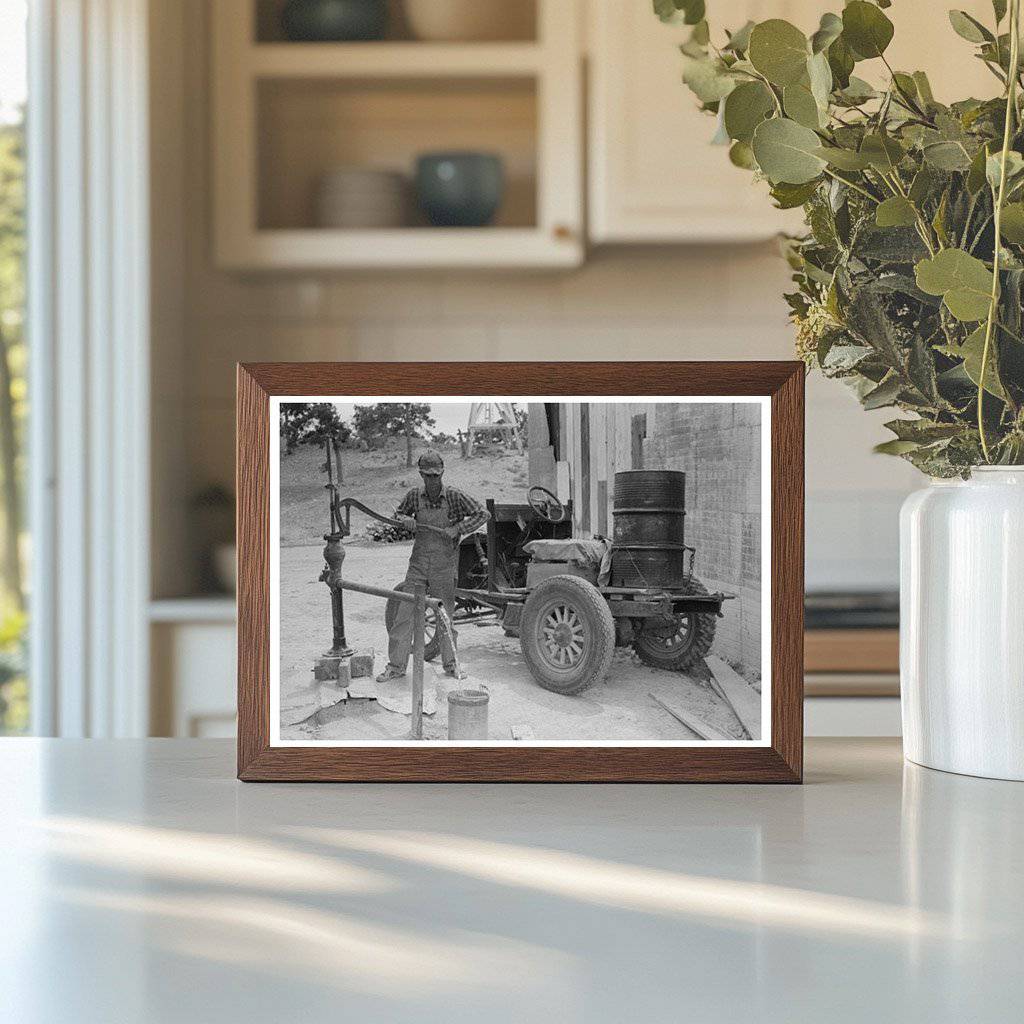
point(572, 601)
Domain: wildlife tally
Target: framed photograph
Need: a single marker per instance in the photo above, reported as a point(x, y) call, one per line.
point(578, 572)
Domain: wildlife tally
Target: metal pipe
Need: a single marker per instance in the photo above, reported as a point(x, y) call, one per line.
point(418, 624)
point(365, 588)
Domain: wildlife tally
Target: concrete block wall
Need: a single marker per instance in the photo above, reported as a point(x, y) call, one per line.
point(718, 446)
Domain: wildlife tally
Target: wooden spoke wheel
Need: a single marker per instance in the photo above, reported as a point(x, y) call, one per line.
point(431, 636)
point(567, 634)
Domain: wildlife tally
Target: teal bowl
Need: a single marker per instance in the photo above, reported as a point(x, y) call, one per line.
point(460, 190)
point(334, 21)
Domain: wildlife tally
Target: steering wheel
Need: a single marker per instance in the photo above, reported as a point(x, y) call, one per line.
point(545, 504)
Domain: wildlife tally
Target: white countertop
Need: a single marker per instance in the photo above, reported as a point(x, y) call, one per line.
point(140, 882)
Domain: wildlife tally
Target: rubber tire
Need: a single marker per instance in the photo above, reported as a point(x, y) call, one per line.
point(702, 636)
point(433, 646)
point(599, 626)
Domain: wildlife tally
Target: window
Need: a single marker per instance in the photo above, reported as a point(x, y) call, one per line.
point(14, 696)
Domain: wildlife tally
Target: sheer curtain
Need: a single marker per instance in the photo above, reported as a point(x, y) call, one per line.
point(88, 307)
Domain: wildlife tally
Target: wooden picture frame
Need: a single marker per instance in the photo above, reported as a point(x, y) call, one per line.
point(779, 759)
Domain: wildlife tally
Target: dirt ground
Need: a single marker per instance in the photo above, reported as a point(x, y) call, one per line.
point(620, 708)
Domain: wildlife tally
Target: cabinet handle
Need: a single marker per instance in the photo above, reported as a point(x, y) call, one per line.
point(562, 232)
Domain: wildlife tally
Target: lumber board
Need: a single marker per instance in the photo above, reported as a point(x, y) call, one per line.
point(738, 694)
point(692, 722)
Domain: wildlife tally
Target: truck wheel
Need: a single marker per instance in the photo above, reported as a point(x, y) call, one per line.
point(677, 642)
point(567, 634)
point(431, 638)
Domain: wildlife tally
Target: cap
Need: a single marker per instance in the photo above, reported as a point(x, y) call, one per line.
point(431, 464)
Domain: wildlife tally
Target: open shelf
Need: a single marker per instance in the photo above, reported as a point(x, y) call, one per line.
point(309, 127)
point(286, 114)
point(348, 60)
point(520, 24)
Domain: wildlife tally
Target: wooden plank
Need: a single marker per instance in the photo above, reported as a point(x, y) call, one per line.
point(638, 433)
point(852, 684)
point(694, 724)
point(738, 694)
point(852, 650)
point(585, 467)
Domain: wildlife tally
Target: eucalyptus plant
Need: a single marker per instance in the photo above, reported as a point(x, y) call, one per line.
point(910, 277)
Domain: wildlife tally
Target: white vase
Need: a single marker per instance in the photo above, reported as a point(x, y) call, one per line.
point(962, 624)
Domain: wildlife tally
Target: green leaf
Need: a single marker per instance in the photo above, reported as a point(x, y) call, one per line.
point(999, 9)
point(947, 156)
point(895, 212)
point(924, 88)
point(895, 447)
point(866, 29)
point(922, 431)
point(779, 51)
point(801, 106)
point(829, 30)
point(689, 12)
point(788, 196)
point(857, 91)
point(976, 173)
point(1012, 223)
point(741, 155)
point(787, 151)
point(969, 28)
point(844, 159)
point(993, 167)
point(922, 185)
point(883, 152)
point(707, 78)
point(963, 281)
point(971, 351)
point(701, 34)
point(885, 394)
point(939, 220)
point(819, 74)
point(745, 108)
point(739, 41)
point(841, 63)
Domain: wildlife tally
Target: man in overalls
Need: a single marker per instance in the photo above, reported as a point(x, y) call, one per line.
point(439, 516)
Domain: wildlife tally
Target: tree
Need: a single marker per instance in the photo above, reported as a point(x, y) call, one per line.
point(12, 348)
point(317, 423)
point(383, 419)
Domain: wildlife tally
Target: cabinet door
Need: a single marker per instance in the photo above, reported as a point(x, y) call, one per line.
point(654, 176)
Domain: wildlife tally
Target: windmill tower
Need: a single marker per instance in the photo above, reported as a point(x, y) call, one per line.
point(489, 418)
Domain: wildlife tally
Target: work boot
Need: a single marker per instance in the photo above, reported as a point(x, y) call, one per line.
point(391, 672)
point(455, 671)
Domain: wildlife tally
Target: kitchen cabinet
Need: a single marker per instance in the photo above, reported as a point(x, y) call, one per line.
point(653, 175)
point(288, 114)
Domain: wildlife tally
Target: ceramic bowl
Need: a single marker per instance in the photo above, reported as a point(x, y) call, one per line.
point(459, 189)
point(333, 21)
point(359, 197)
point(471, 20)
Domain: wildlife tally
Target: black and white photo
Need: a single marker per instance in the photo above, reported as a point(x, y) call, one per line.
point(523, 570)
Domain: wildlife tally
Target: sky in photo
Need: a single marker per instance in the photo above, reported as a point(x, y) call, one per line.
point(450, 417)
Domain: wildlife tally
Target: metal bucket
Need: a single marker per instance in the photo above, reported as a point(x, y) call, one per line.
point(648, 516)
point(467, 714)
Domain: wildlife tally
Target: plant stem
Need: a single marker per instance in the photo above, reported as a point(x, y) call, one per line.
point(853, 185)
point(1011, 108)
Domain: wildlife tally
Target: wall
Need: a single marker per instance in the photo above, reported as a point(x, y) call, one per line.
point(650, 303)
point(718, 447)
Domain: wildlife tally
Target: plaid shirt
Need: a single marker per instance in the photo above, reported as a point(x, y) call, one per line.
point(467, 512)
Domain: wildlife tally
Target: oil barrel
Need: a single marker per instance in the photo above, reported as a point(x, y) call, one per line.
point(648, 516)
